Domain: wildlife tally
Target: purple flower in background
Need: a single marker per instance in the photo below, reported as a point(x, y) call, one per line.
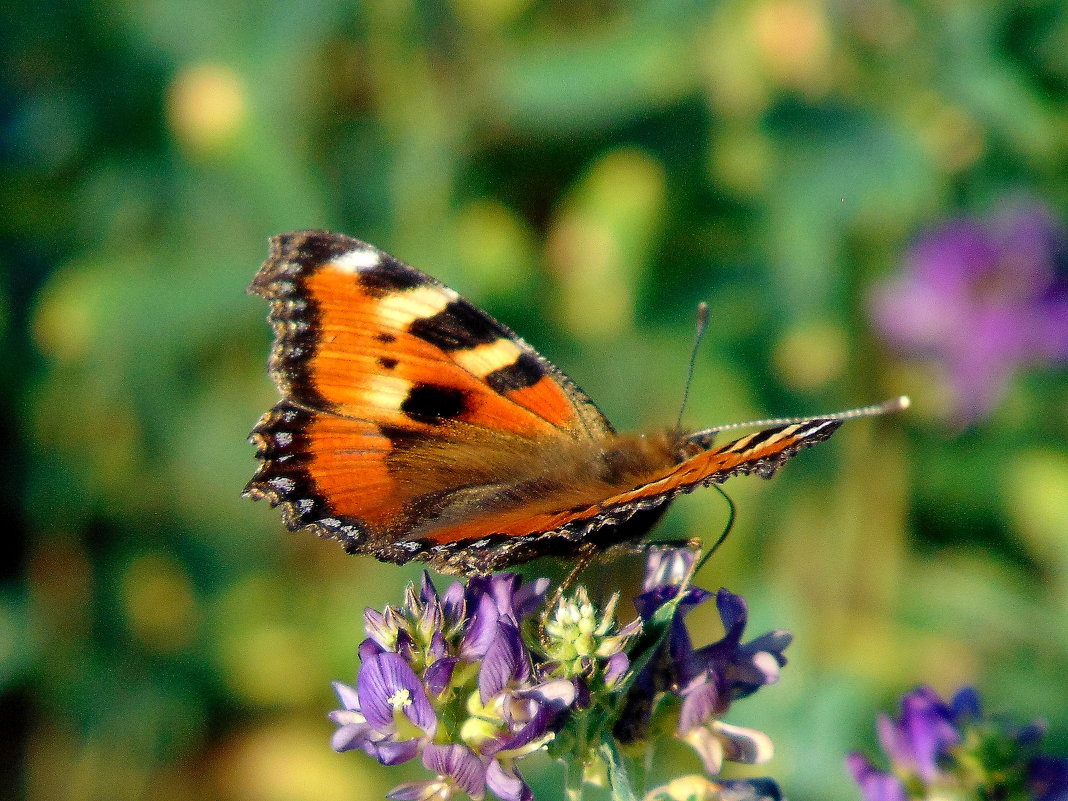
point(982, 299)
point(949, 750)
point(915, 743)
point(1048, 778)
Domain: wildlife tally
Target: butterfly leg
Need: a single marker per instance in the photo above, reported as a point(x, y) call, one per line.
point(642, 547)
point(585, 555)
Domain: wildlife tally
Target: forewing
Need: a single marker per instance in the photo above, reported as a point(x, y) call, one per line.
point(373, 357)
point(362, 335)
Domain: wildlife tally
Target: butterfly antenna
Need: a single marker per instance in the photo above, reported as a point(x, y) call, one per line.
point(702, 326)
point(897, 404)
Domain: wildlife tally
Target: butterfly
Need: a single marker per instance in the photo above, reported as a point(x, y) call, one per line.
point(412, 425)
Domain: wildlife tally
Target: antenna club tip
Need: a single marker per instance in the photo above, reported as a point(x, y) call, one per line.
point(902, 402)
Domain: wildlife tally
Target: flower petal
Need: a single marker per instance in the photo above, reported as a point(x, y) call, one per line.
point(384, 679)
point(529, 597)
point(352, 734)
point(439, 674)
point(535, 727)
point(347, 695)
point(966, 704)
point(369, 648)
point(392, 753)
point(734, 613)
point(749, 746)
point(702, 699)
point(380, 628)
point(874, 784)
point(1048, 778)
point(708, 748)
point(617, 666)
point(556, 694)
point(427, 593)
point(926, 730)
point(416, 791)
point(749, 790)
point(453, 606)
point(461, 764)
point(506, 662)
point(508, 785)
point(482, 629)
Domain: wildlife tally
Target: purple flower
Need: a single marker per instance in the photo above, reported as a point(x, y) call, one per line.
point(714, 676)
point(513, 599)
point(919, 743)
point(448, 678)
point(874, 784)
point(665, 572)
point(982, 299)
point(1047, 778)
point(706, 680)
point(457, 769)
point(511, 713)
point(388, 715)
point(939, 749)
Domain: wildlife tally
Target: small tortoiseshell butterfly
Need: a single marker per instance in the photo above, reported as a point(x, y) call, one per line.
point(412, 425)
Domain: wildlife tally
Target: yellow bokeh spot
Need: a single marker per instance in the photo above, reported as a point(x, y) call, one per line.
point(292, 762)
point(206, 106)
point(811, 355)
point(601, 241)
point(161, 608)
point(272, 665)
point(489, 14)
point(1035, 487)
point(742, 159)
point(794, 43)
point(496, 248)
point(65, 320)
point(953, 138)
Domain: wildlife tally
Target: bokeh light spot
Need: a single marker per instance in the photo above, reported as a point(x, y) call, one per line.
point(161, 608)
point(206, 106)
point(810, 355)
point(794, 42)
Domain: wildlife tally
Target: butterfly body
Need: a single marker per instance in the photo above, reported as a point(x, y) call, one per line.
point(414, 426)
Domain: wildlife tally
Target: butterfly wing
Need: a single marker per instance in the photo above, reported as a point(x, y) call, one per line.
point(488, 544)
point(372, 357)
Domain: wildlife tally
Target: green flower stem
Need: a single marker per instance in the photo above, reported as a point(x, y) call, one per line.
point(573, 781)
point(618, 778)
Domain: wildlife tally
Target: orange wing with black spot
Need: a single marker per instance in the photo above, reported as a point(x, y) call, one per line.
point(414, 426)
point(374, 358)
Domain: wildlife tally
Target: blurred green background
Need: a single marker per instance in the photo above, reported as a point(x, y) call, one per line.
point(588, 171)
